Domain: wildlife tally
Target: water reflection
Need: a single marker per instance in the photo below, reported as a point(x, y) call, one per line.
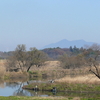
point(2, 84)
point(15, 89)
point(11, 88)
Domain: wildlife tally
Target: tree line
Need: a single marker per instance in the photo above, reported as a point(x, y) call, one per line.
point(68, 57)
point(87, 57)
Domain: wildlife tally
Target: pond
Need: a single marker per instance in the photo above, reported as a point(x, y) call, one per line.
point(10, 88)
point(15, 89)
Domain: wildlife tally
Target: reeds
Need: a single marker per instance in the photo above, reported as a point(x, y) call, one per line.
point(86, 79)
point(2, 68)
point(54, 71)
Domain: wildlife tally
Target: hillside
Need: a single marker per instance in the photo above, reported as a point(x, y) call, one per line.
point(66, 44)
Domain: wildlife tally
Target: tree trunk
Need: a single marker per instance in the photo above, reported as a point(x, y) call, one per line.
point(28, 68)
point(94, 73)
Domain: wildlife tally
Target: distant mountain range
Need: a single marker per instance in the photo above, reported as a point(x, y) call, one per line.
point(66, 44)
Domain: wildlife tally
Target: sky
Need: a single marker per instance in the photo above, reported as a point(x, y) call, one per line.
point(37, 23)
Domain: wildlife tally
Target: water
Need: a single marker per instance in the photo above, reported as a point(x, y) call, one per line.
point(15, 89)
point(11, 88)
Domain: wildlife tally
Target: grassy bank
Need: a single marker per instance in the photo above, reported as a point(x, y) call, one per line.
point(35, 98)
point(45, 98)
point(86, 83)
point(64, 87)
point(74, 82)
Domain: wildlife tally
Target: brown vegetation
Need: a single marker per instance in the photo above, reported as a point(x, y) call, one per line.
point(86, 79)
point(10, 75)
point(24, 60)
point(73, 61)
point(54, 70)
point(2, 68)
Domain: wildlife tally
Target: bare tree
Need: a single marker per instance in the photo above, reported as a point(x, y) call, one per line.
point(17, 60)
point(25, 59)
point(35, 57)
point(92, 56)
point(72, 62)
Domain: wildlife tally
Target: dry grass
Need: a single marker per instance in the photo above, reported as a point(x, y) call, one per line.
point(37, 98)
point(87, 79)
point(16, 75)
point(53, 69)
point(2, 62)
point(55, 66)
point(2, 68)
point(58, 98)
point(48, 65)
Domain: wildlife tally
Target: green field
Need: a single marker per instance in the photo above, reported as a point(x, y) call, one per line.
point(44, 98)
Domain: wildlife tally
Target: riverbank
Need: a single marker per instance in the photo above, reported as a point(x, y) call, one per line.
point(82, 91)
point(45, 98)
point(64, 87)
point(68, 82)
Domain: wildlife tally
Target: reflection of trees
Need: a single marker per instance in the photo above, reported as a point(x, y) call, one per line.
point(2, 84)
point(12, 84)
point(21, 92)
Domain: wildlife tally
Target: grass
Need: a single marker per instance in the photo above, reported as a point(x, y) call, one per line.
point(35, 98)
point(86, 79)
point(78, 80)
point(2, 69)
point(50, 68)
point(15, 76)
point(65, 87)
point(44, 98)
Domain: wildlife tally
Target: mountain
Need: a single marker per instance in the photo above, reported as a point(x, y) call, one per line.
point(66, 44)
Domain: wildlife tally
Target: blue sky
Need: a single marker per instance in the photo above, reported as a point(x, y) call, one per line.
point(37, 23)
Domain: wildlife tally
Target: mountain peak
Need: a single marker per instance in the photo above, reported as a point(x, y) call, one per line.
point(64, 43)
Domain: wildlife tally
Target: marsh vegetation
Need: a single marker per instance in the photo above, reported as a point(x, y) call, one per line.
point(69, 70)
